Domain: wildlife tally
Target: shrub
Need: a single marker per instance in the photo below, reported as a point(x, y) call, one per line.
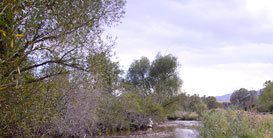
point(231, 123)
point(128, 111)
point(27, 112)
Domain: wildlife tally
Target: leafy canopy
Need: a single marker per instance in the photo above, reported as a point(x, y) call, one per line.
point(158, 78)
point(266, 97)
point(38, 33)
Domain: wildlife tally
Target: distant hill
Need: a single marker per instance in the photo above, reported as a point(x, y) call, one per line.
point(224, 97)
point(259, 91)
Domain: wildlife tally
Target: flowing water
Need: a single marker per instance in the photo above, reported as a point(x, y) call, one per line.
point(185, 129)
point(169, 129)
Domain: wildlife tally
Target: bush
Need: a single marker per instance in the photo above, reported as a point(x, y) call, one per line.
point(179, 115)
point(230, 123)
point(128, 111)
point(27, 112)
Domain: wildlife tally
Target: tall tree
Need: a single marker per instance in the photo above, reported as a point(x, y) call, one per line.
point(39, 41)
point(211, 102)
point(238, 97)
point(266, 97)
point(196, 104)
point(253, 99)
point(138, 75)
point(244, 99)
point(159, 78)
point(103, 71)
point(164, 77)
point(37, 33)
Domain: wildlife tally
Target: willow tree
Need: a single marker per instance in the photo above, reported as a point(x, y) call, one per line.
point(239, 97)
point(138, 75)
point(41, 41)
point(266, 97)
point(159, 78)
point(164, 77)
point(37, 33)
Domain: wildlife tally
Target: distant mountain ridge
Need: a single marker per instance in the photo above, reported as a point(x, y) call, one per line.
point(224, 97)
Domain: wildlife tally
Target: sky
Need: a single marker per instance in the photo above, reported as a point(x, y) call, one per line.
point(221, 45)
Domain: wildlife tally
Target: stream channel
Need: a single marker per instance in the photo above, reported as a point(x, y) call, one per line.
point(168, 129)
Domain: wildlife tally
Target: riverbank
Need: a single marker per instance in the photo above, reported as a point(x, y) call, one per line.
point(236, 123)
point(178, 115)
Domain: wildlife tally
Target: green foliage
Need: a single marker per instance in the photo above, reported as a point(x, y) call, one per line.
point(189, 107)
point(45, 46)
point(138, 75)
point(50, 32)
point(244, 99)
point(153, 110)
point(164, 77)
point(229, 123)
point(112, 112)
point(160, 78)
point(266, 97)
point(157, 83)
point(211, 102)
point(129, 110)
point(200, 108)
point(238, 97)
point(29, 111)
point(104, 71)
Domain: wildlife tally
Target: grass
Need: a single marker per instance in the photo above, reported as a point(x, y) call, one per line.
point(236, 124)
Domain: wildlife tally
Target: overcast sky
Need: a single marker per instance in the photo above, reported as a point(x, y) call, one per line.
point(222, 45)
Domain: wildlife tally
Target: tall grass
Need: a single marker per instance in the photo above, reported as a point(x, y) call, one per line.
point(236, 124)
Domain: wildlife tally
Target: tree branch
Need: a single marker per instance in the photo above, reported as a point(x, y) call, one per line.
point(14, 83)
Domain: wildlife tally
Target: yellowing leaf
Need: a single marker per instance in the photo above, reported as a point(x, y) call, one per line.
point(2, 88)
point(11, 43)
point(19, 35)
point(4, 33)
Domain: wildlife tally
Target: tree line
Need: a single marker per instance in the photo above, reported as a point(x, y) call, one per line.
point(254, 100)
point(58, 79)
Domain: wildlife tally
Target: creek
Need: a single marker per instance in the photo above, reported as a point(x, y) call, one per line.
point(168, 129)
point(185, 129)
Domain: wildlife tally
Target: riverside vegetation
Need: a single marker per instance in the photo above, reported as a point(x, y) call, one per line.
point(234, 123)
point(249, 116)
point(58, 77)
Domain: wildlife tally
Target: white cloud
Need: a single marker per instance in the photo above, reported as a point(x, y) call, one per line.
point(222, 79)
point(260, 7)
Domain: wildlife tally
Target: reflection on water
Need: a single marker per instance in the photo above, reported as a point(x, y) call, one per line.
point(169, 129)
point(185, 133)
point(184, 123)
point(184, 129)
